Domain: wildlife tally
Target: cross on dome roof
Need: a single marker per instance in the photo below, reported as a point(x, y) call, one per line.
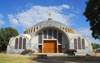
point(49, 14)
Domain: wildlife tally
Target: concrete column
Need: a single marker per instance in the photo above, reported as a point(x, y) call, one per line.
point(38, 27)
point(22, 42)
point(60, 26)
point(81, 42)
point(64, 27)
point(77, 42)
point(57, 42)
point(41, 25)
point(70, 30)
point(32, 29)
point(18, 43)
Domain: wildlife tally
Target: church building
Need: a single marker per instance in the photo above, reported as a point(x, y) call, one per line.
point(49, 37)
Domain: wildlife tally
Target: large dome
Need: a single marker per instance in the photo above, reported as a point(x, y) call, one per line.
point(48, 23)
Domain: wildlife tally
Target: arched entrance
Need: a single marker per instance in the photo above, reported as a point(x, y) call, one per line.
point(52, 42)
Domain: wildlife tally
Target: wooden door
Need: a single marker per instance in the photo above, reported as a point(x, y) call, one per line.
point(50, 46)
point(40, 49)
point(59, 48)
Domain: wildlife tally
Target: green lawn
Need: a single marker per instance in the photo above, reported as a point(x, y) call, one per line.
point(4, 58)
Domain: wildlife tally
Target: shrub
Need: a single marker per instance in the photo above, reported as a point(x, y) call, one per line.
point(28, 50)
point(72, 50)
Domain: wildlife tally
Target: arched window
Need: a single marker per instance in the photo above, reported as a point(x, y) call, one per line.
point(24, 43)
point(20, 43)
point(40, 38)
point(83, 44)
point(45, 34)
point(49, 34)
point(55, 34)
point(79, 43)
point(60, 38)
point(16, 43)
point(75, 43)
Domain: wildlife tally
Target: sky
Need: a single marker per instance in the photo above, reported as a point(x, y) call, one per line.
point(21, 14)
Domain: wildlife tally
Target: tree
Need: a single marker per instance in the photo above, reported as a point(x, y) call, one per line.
point(95, 46)
point(5, 35)
point(92, 13)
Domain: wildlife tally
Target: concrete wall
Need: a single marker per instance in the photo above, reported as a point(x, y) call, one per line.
point(34, 41)
point(88, 47)
point(11, 45)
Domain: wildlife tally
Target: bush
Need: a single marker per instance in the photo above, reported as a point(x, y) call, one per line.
point(72, 50)
point(28, 50)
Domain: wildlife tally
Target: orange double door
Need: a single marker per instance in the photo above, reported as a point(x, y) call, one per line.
point(50, 46)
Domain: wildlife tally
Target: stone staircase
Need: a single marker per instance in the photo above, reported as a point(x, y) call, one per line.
point(52, 54)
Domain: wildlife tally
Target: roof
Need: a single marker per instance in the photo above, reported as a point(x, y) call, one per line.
point(26, 35)
point(50, 22)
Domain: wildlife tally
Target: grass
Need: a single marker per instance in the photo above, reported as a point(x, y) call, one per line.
point(4, 58)
point(16, 58)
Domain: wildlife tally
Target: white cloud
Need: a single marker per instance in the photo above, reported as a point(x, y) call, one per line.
point(84, 31)
point(95, 41)
point(13, 21)
point(87, 33)
point(77, 10)
point(40, 13)
point(19, 8)
point(1, 22)
point(65, 6)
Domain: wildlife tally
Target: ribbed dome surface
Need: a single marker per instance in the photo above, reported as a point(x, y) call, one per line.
point(48, 23)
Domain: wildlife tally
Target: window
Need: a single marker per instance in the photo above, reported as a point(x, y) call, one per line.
point(49, 34)
point(20, 43)
point(83, 44)
point(40, 37)
point(16, 43)
point(60, 38)
point(75, 43)
point(24, 43)
point(55, 34)
point(45, 34)
point(79, 43)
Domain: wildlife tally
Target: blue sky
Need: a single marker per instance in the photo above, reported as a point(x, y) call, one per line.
point(21, 14)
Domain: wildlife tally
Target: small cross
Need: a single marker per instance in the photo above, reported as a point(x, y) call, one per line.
point(50, 14)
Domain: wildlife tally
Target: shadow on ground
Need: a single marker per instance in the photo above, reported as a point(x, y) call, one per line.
point(64, 59)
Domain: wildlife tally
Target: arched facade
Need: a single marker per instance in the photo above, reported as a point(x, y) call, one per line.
point(49, 37)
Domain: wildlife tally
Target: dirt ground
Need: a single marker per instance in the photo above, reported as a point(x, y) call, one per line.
point(95, 58)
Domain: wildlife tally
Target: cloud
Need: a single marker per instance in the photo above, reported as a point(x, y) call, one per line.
point(19, 8)
point(1, 22)
point(87, 33)
point(77, 10)
point(40, 13)
point(84, 31)
point(13, 21)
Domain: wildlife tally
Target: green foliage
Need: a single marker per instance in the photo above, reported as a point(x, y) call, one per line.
point(5, 35)
point(95, 46)
point(92, 14)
